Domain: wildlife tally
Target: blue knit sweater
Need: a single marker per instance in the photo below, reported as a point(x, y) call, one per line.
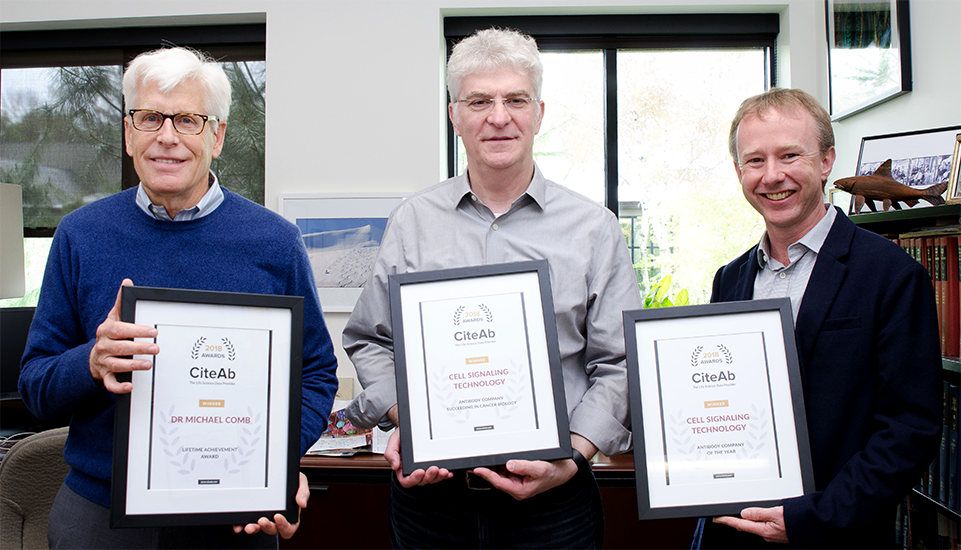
point(239, 247)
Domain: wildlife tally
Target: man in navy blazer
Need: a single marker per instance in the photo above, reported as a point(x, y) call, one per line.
point(867, 336)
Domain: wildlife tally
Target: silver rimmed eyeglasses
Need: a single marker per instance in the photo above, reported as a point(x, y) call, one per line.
point(189, 124)
point(482, 104)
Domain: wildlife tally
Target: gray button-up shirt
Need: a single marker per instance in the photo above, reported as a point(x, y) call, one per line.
point(592, 282)
point(775, 280)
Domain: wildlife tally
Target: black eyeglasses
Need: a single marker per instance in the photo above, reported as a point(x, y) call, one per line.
point(189, 124)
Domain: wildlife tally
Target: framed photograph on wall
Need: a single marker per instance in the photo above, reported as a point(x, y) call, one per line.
point(920, 160)
point(342, 233)
point(716, 408)
point(869, 53)
point(954, 193)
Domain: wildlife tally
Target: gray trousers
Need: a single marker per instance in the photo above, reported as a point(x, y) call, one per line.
point(76, 522)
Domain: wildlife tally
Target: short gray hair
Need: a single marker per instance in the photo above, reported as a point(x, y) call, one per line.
point(491, 49)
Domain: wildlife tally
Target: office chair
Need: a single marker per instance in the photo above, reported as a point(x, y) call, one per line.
point(31, 473)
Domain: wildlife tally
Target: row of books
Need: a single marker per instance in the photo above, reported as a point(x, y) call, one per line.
point(937, 250)
point(942, 481)
point(919, 528)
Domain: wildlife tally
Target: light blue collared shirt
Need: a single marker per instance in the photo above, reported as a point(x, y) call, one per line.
point(210, 201)
point(775, 280)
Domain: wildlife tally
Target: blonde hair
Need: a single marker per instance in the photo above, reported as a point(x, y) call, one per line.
point(784, 100)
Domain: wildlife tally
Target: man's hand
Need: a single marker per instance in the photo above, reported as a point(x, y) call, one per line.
point(523, 479)
point(110, 355)
point(417, 477)
point(280, 525)
point(763, 522)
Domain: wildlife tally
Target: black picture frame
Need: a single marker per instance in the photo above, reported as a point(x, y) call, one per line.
point(954, 189)
point(142, 494)
point(420, 310)
point(727, 447)
point(919, 159)
point(862, 34)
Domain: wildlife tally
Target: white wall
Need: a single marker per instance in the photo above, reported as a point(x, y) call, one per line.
point(342, 58)
point(934, 101)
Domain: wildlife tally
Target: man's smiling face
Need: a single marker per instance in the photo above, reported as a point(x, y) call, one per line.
point(781, 169)
point(173, 167)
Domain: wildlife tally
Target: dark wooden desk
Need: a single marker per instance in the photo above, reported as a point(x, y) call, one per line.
point(348, 506)
point(15, 418)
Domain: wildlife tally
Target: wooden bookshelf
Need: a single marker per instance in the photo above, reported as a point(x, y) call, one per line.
point(929, 221)
point(894, 222)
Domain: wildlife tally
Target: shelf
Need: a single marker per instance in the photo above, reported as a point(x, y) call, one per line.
point(952, 514)
point(894, 222)
point(951, 364)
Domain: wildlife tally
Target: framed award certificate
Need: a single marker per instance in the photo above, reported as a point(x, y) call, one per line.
point(716, 408)
point(478, 370)
point(211, 433)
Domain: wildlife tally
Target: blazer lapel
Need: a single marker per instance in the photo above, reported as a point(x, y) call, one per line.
point(746, 276)
point(826, 279)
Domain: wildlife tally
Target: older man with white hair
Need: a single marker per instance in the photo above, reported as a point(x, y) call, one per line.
point(178, 229)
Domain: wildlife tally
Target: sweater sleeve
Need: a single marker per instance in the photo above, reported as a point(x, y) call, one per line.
point(55, 375)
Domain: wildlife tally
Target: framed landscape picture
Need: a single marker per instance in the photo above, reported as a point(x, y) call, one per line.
point(919, 159)
point(342, 233)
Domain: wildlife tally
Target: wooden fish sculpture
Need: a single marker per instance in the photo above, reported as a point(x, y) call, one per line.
point(882, 187)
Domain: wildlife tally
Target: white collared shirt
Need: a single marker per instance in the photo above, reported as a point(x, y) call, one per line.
point(210, 201)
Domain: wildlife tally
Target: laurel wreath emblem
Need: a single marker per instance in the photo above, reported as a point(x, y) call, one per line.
point(696, 356)
point(253, 432)
point(487, 312)
point(682, 433)
point(179, 459)
point(198, 345)
point(170, 442)
point(231, 352)
point(758, 432)
point(727, 354)
point(460, 311)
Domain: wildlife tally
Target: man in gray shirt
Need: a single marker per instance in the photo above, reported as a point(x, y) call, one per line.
point(504, 210)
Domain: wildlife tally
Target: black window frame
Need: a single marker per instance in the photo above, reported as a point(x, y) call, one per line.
point(612, 32)
point(55, 48)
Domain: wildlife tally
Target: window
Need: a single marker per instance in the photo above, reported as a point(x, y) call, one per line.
point(61, 130)
point(636, 118)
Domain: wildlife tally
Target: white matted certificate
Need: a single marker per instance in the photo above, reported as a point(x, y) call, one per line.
point(478, 368)
point(716, 407)
point(211, 433)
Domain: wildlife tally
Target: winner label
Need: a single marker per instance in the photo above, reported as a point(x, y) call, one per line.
point(209, 414)
point(718, 426)
point(478, 366)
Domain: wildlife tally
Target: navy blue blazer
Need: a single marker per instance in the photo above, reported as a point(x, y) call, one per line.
point(870, 357)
